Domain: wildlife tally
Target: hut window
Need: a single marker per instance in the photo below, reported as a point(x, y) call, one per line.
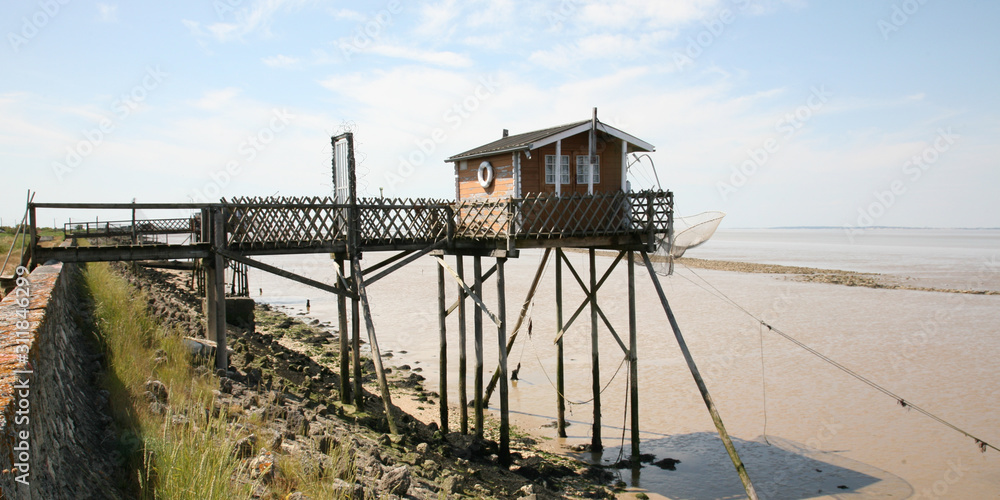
point(583, 169)
point(550, 169)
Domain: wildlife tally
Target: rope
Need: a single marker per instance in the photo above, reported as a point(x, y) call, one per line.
point(981, 444)
point(542, 366)
point(763, 382)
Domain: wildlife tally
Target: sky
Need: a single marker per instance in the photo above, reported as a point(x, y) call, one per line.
point(778, 112)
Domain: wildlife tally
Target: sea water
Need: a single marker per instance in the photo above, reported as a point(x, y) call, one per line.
point(804, 428)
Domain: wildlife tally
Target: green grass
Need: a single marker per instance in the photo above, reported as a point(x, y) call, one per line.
point(185, 453)
point(164, 457)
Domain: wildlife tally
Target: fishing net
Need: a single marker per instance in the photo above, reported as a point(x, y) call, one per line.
point(689, 232)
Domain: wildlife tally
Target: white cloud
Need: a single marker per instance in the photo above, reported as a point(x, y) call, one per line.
point(107, 13)
point(438, 58)
point(255, 19)
point(600, 46)
point(281, 61)
point(437, 20)
point(217, 99)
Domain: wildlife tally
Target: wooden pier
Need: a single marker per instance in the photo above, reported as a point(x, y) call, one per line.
point(241, 229)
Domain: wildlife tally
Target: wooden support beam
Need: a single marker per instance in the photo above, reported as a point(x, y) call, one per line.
point(219, 284)
point(345, 363)
point(733, 455)
point(463, 398)
point(356, 347)
point(443, 355)
point(412, 257)
point(383, 384)
point(32, 249)
point(595, 359)
point(477, 325)
point(560, 364)
point(475, 296)
point(520, 319)
point(334, 289)
point(633, 358)
point(501, 347)
point(385, 262)
point(462, 294)
point(562, 331)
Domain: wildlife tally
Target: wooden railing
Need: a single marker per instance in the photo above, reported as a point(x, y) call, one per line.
point(300, 222)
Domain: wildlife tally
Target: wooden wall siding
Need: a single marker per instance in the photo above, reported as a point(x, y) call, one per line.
point(503, 180)
point(608, 148)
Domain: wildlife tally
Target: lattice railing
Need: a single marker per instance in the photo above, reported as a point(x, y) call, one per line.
point(125, 228)
point(547, 216)
point(486, 219)
point(386, 221)
point(299, 222)
point(284, 222)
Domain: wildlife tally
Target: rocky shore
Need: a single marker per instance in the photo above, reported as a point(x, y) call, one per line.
point(809, 274)
point(282, 394)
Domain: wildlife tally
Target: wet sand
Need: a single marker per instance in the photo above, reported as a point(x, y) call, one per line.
point(825, 429)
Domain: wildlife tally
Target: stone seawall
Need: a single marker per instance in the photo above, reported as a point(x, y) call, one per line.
point(56, 439)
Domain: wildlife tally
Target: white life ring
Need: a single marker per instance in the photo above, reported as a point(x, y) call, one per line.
point(485, 174)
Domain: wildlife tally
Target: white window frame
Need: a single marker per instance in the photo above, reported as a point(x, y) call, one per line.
point(583, 169)
point(550, 163)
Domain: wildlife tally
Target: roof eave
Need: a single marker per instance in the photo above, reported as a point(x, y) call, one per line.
point(488, 153)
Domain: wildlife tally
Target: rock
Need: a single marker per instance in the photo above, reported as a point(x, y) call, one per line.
point(326, 443)
point(298, 495)
point(527, 490)
point(244, 447)
point(264, 467)
point(395, 481)
point(422, 448)
point(158, 389)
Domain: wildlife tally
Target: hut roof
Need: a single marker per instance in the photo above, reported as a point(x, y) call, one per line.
point(538, 138)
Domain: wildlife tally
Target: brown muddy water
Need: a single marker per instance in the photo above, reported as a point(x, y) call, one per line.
point(803, 428)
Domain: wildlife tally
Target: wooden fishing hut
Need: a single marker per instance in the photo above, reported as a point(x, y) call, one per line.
point(554, 188)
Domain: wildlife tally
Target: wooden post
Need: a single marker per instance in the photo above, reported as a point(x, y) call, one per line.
point(345, 358)
point(633, 355)
point(356, 347)
point(463, 398)
point(560, 365)
point(219, 284)
point(520, 319)
point(443, 376)
point(33, 227)
point(383, 384)
point(595, 359)
point(477, 324)
point(502, 344)
point(740, 470)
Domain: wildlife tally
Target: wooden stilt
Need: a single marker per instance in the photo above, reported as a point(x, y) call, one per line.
point(520, 319)
point(595, 359)
point(560, 365)
point(345, 350)
point(443, 377)
point(359, 394)
point(740, 469)
point(373, 342)
point(633, 357)
point(501, 345)
point(219, 284)
point(463, 398)
point(477, 324)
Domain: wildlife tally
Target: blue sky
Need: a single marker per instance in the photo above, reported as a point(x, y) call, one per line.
point(780, 113)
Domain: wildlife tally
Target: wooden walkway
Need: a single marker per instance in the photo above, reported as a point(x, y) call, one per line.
point(262, 226)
